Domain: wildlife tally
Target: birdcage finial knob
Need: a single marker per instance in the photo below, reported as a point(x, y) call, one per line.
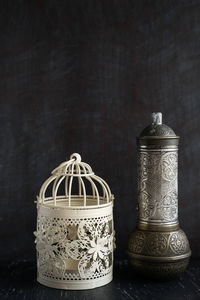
point(76, 156)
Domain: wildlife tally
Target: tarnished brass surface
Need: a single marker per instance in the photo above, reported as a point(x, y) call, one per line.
point(163, 252)
point(158, 243)
point(158, 247)
point(159, 270)
point(151, 227)
point(158, 137)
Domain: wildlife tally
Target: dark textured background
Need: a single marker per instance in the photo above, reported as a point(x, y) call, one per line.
point(84, 76)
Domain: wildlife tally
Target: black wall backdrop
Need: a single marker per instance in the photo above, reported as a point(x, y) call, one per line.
point(84, 76)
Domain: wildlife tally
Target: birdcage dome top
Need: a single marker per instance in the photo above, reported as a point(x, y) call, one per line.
point(73, 184)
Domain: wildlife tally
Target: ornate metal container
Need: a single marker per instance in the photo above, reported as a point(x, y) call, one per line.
point(158, 247)
point(75, 235)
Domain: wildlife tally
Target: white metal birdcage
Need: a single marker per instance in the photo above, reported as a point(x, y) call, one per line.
point(75, 234)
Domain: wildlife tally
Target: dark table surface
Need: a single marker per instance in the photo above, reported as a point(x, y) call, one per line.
point(18, 281)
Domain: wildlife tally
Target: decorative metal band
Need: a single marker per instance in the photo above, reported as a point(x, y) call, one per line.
point(158, 137)
point(159, 244)
point(158, 223)
point(65, 212)
point(157, 186)
point(160, 259)
point(160, 227)
point(76, 285)
point(148, 149)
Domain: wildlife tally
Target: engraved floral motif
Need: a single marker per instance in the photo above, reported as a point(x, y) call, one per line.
point(137, 241)
point(89, 242)
point(157, 244)
point(157, 186)
point(169, 206)
point(169, 166)
point(145, 204)
point(178, 242)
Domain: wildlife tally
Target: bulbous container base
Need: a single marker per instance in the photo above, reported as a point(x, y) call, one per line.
point(161, 255)
point(159, 270)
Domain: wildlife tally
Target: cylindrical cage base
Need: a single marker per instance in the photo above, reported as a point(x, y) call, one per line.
point(74, 246)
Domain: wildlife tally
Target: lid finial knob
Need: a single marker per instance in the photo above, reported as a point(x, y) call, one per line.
point(156, 118)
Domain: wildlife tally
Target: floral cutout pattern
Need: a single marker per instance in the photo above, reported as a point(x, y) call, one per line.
point(89, 243)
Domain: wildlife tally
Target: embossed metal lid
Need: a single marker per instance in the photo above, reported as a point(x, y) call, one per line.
point(157, 128)
point(157, 132)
